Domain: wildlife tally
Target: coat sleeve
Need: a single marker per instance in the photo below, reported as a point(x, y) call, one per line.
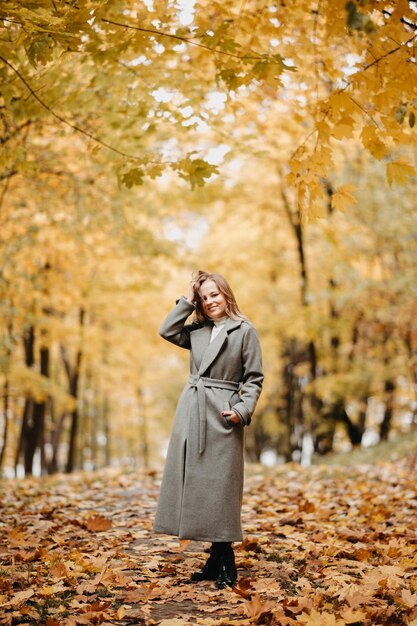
point(252, 378)
point(174, 329)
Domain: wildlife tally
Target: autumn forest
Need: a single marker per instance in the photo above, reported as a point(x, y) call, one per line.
point(274, 142)
point(143, 141)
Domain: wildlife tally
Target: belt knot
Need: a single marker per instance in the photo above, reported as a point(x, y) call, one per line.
point(200, 383)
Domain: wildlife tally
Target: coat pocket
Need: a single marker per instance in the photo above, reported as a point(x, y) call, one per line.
point(226, 407)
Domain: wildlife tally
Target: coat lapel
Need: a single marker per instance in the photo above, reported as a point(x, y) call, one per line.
point(232, 324)
point(214, 348)
point(200, 339)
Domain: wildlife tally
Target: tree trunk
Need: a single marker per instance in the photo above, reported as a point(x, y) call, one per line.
point(6, 392)
point(28, 347)
point(56, 441)
point(95, 427)
point(143, 429)
point(35, 433)
point(296, 438)
point(41, 408)
point(6, 410)
point(106, 427)
point(362, 414)
point(411, 348)
point(291, 411)
point(73, 376)
point(353, 431)
point(73, 388)
point(389, 410)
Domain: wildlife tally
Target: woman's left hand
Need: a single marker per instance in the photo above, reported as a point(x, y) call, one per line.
point(233, 416)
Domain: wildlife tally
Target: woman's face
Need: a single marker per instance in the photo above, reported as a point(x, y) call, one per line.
point(213, 302)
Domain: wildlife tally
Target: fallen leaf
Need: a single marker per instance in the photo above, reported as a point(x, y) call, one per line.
point(183, 545)
point(59, 570)
point(408, 599)
point(310, 572)
point(98, 523)
point(51, 590)
point(173, 622)
point(351, 617)
point(315, 618)
point(20, 597)
point(255, 607)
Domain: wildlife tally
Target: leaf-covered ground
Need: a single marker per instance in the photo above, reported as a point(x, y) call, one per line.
point(323, 547)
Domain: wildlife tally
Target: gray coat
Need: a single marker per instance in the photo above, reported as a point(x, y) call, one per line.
point(201, 491)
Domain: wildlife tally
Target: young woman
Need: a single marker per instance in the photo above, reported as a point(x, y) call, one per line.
point(201, 491)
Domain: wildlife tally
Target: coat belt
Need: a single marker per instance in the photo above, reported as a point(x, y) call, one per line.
point(200, 383)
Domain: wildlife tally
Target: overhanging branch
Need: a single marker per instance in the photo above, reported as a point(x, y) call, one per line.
point(62, 119)
point(188, 40)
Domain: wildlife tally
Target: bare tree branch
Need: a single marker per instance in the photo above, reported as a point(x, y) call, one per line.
point(16, 130)
point(9, 174)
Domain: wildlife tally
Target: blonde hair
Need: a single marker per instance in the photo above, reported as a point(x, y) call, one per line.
point(232, 309)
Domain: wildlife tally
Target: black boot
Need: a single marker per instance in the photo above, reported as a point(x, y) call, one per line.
point(227, 576)
point(210, 570)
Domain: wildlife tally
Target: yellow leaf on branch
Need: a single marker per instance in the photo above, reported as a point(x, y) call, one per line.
point(372, 142)
point(399, 171)
point(341, 101)
point(317, 204)
point(343, 197)
point(344, 128)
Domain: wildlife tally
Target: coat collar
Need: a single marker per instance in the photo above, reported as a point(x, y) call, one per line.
point(204, 352)
point(232, 324)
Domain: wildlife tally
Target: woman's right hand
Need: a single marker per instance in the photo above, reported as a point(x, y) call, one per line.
point(191, 292)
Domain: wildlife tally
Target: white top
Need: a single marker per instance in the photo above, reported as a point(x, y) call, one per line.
point(218, 325)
